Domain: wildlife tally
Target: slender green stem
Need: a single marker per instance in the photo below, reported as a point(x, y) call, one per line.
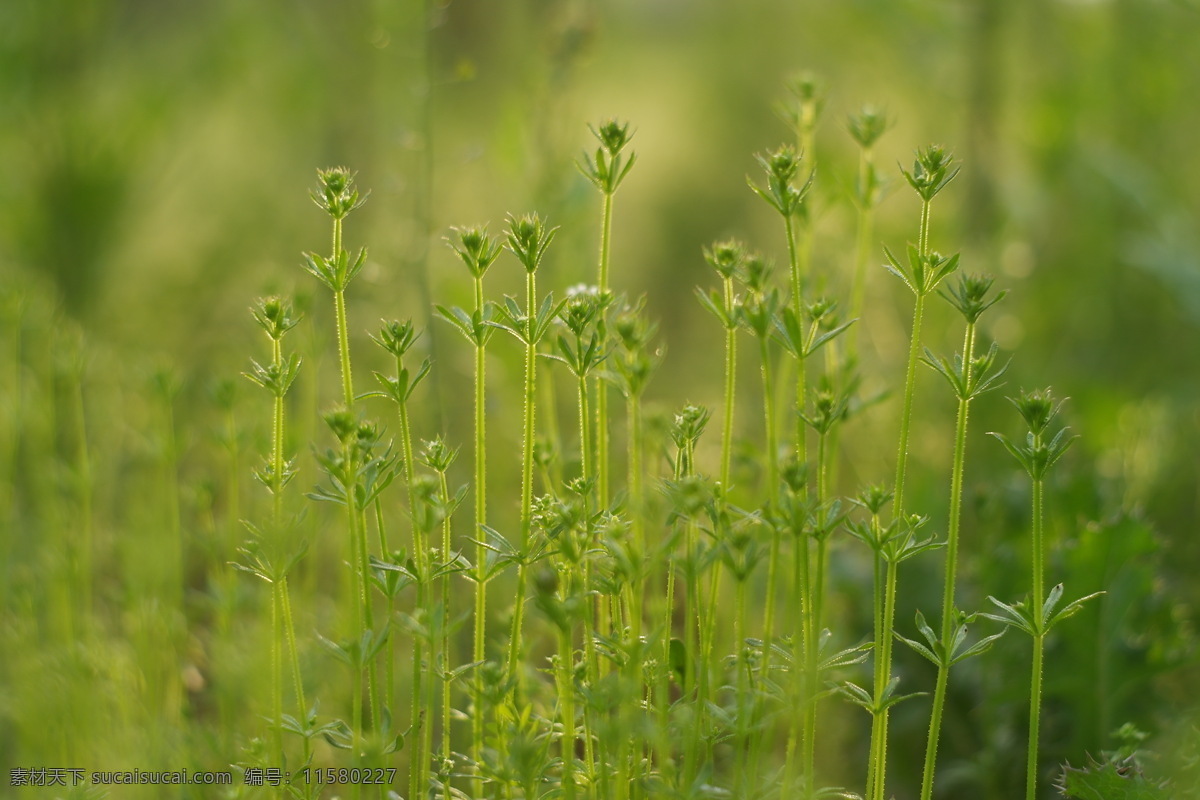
point(730, 380)
point(879, 676)
point(289, 628)
point(339, 299)
point(666, 763)
point(802, 725)
point(948, 607)
point(587, 468)
point(704, 615)
point(597, 616)
point(479, 651)
point(389, 681)
point(360, 595)
point(636, 509)
point(823, 543)
point(744, 704)
point(923, 239)
point(797, 303)
point(566, 699)
point(797, 284)
point(889, 614)
point(772, 487)
point(447, 660)
point(368, 613)
point(663, 688)
point(910, 382)
point(336, 245)
point(864, 232)
point(417, 721)
point(698, 637)
point(1035, 682)
point(550, 472)
point(601, 386)
point(811, 636)
point(772, 450)
point(605, 238)
point(816, 602)
point(276, 676)
point(514, 651)
point(277, 444)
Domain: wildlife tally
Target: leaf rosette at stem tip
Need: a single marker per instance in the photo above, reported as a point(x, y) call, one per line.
point(968, 385)
point(800, 342)
point(867, 126)
point(809, 95)
point(606, 169)
point(758, 312)
point(726, 257)
point(275, 316)
point(275, 377)
point(755, 273)
point(397, 337)
point(336, 193)
point(528, 238)
point(690, 422)
point(923, 272)
point(335, 271)
point(782, 166)
point(931, 171)
point(633, 331)
point(829, 406)
point(582, 307)
point(475, 247)
point(970, 295)
point(1037, 455)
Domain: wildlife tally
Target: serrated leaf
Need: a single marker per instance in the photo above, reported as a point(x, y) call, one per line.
point(1119, 780)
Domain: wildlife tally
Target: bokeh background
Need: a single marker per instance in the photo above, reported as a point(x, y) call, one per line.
point(156, 163)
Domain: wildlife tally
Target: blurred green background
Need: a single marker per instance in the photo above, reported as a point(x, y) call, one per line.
point(157, 157)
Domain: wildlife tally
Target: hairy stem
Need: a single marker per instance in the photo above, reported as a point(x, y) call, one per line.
point(601, 386)
point(772, 488)
point(1035, 682)
point(910, 382)
point(479, 651)
point(514, 649)
point(948, 607)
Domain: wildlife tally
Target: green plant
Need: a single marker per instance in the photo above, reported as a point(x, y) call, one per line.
point(270, 556)
point(969, 376)
point(527, 238)
point(478, 251)
point(685, 621)
point(1036, 616)
point(606, 169)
